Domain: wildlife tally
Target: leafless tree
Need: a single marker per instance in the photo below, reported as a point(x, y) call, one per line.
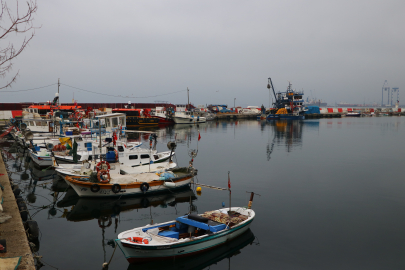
point(18, 21)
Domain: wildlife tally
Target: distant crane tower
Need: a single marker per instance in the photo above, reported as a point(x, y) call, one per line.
point(395, 89)
point(385, 88)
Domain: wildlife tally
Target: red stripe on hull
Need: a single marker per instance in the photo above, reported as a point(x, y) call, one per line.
point(164, 121)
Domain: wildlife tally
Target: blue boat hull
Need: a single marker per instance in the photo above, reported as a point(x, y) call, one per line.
point(285, 116)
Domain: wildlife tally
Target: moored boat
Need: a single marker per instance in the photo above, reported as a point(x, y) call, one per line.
point(188, 118)
point(288, 105)
point(187, 235)
point(130, 184)
point(202, 261)
point(353, 114)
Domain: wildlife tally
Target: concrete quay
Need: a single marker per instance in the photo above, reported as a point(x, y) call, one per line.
point(13, 229)
point(236, 116)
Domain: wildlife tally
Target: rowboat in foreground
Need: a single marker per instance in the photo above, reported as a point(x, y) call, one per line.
point(187, 235)
point(202, 261)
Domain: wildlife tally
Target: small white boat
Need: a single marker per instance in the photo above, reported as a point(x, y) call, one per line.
point(41, 157)
point(353, 114)
point(188, 118)
point(187, 235)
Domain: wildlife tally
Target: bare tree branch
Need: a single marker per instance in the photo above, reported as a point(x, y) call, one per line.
point(12, 22)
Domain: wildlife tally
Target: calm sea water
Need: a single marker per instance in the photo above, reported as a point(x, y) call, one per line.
point(331, 197)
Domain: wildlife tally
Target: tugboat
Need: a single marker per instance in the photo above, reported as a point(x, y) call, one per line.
point(288, 105)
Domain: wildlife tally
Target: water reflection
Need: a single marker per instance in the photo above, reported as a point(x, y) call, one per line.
point(49, 197)
point(288, 133)
point(206, 259)
point(98, 208)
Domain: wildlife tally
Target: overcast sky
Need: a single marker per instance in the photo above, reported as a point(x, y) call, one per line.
point(337, 51)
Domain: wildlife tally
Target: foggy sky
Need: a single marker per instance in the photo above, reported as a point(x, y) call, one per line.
point(337, 51)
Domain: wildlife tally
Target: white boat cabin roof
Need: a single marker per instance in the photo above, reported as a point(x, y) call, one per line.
point(111, 115)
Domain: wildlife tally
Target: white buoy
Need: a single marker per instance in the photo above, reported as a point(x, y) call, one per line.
point(170, 184)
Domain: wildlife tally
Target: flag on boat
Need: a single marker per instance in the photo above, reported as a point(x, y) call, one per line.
point(114, 138)
point(6, 132)
point(229, 182)
point(199, 136)
point(73, 152)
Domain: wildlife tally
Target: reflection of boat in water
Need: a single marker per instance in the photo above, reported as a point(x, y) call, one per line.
point(227, 250)
point(285, 132)
point(59, 184)
point(70, 199)
point(90, 208)
point(40, 175)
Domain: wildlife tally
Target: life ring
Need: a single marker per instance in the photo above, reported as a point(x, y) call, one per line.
point(102, 220)
point(116, 154)
point(144, 187)
point(138, 240)
point(95, 188)
point(100, 178)
point(116, 188)
point(100, 166)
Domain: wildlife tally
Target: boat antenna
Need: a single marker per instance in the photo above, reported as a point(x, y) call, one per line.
point(188, 99)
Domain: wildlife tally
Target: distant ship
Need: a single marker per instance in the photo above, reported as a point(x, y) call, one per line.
point(349, 105)
point(315, 102)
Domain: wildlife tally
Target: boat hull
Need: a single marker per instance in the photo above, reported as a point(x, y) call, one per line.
point(183, 120)
point(164, 120)
point(273, 117)
point(136, 121)
point(84, 189)
point(145, 253)
point(292, 117)
point(41, 161)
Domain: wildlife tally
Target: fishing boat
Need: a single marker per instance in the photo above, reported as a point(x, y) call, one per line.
point(288, 104)
point(203, 261)
point(163, 114)
point(105, 185)
point(138, 117)
point(353, 114)
point(187, 235)
point(188, 118)
point(117, 167)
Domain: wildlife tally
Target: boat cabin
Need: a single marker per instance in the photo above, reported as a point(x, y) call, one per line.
point(109, 122)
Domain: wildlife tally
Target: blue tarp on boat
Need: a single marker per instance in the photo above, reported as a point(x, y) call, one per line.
point(312, 110)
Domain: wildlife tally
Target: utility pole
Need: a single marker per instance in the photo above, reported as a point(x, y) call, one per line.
point(58, 91)
point(234, 99)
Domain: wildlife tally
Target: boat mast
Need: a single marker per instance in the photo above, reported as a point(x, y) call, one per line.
point(188, 100)
point(58, 91)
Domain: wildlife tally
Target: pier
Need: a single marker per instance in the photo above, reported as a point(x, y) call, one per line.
point(12, 229)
